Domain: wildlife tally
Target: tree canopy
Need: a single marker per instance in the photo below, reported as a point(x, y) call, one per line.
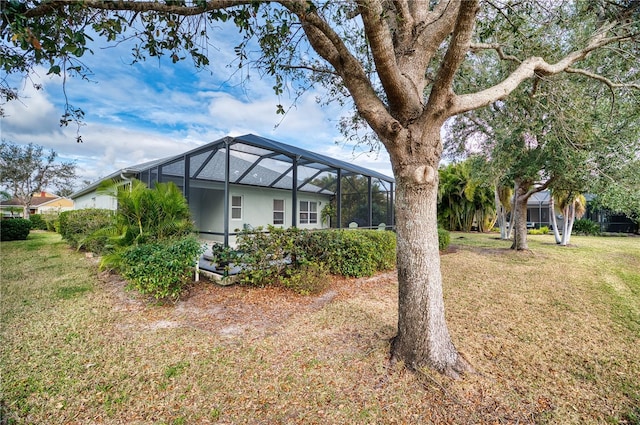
point(567, 135)
point(406, 66)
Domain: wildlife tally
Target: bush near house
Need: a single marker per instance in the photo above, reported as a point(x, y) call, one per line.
point(277, 257)
point(149, 239)
point(585, 227)
point(300, 259)
point(160, 269)
point(353, 253)
point(444, 239)
point(14, 229)
point(37, 222)
point(544, 230)
point(78, 227)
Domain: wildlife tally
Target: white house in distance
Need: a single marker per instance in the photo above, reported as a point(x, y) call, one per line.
point(250, 181)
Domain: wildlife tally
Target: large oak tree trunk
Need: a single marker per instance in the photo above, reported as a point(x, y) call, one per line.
point(423, 338)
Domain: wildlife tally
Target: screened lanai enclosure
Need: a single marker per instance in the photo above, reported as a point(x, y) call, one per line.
point(246, 182)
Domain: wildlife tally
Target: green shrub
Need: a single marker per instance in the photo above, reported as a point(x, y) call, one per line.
point(266, 255)
point(37, 222)
point(310, 278)
point(148, 215)
point(586, 227)
point(544, 230)
point(299, 259)
point(51, 220)
point(353, 253)
point(63, 219)
point(444, 239)
point(14, 229)
point(78, 228)
point(384, 253)
point(160, 269)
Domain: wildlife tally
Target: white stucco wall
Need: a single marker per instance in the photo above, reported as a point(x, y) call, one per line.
point(206, 201)
point(94, 200)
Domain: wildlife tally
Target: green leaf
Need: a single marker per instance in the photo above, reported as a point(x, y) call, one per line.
point(55, 69)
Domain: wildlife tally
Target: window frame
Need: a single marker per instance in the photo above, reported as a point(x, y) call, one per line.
point(236, 207)
point(307, 215)
point(282, 211)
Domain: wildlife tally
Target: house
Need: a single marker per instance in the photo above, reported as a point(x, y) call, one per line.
point(538, 209)
point(40, 203)
point(249, 181)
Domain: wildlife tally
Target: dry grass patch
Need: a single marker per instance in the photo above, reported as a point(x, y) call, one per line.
point(553, 334)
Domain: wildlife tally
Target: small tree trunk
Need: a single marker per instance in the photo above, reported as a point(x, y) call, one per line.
point(512, 218)
point(519, 214)
point(572, 219)
point(565, 226)
point(554, 222)
point(423, 338)
point(501, 215)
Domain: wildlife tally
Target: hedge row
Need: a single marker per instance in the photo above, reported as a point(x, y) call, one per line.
point(78, 227)
point(354, 253)
point(14, 229)
point(301, 259)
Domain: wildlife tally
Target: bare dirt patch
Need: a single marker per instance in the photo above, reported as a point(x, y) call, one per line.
point(230, 310)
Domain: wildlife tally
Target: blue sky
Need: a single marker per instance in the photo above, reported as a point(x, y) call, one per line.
point(136, 113)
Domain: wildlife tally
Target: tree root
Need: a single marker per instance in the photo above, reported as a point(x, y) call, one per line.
point(459, 368)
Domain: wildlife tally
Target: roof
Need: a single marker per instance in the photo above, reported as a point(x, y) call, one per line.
point(283, 148)
point(133, 169)
point(210, 163)
point(35, 201)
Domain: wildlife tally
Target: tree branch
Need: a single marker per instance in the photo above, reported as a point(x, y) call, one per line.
point(328, 44)
point(601, 78)
point(529, 68)
point(377, 32)
point(540, 188)
point(312, 69)
point(454, 57)
point(494, 46)
point(134, 6)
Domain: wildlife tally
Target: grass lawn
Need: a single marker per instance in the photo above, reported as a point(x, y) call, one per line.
point(553, 334)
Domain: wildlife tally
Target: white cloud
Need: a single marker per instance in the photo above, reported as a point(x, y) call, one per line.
point(33, 113)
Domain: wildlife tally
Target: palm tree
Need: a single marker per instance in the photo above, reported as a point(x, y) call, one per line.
point(463, 198)
point(503, 195)
point(573, 205)
point(147, 214)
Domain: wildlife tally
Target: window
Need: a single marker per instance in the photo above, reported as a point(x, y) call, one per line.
point(308, 212)
point(236, 207)
point(278, 211)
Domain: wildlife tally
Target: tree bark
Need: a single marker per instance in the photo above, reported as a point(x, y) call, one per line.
point(423, 339)
point(501, 214)
point(569, 216)
point(554, 221)
point(519, 217)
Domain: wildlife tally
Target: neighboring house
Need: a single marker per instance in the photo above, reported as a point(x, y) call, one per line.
point(250, 181)
point(41, 203)
point(538, 209)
